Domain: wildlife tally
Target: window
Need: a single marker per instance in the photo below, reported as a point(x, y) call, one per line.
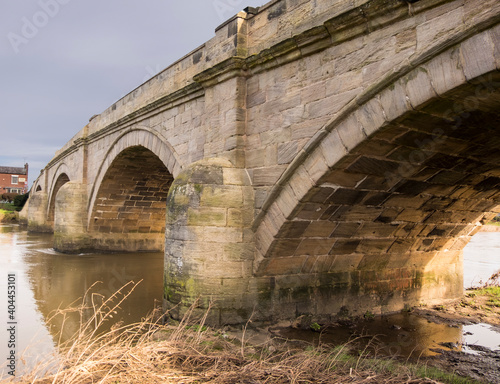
point(15, 179)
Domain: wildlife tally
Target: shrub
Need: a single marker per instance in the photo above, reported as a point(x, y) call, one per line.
point(20, 200)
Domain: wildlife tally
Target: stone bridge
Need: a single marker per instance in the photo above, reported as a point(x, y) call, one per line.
point(314, 157)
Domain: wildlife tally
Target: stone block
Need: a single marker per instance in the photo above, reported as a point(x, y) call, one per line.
point(221, 196)
point(436, 30)
point(345, 229)
point(315, 247)
point(285, 265)
point(332, 148)
point(371, 230)
point(330, 105)
point(400, 247)
point(319, 229)
point(310, 211)
point(263, 239)
point(207, 216)
point(351, 132)
point(239, 217)
point(287, 201)
point(342, 178)
point(238, 251)
point(412, 215)
point(275, 215)
point(287, 152)
point(300, 182)
point(477, 56)
point(316, 166)
point(495, 38)
point(346, 196)
point(313, 92)
point(445, 71)
point(221, 235)
point(364, 213)
point(323, 264)
point(344, 247)
point(267, 175)
point(293, 229)
point(374, 166)
point(394, 101)
point(419, 87)
point(346, 263)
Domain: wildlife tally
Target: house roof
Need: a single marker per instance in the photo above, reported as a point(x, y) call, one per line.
point(13, 170)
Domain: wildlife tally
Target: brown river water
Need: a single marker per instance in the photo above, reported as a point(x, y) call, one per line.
point(35, 281)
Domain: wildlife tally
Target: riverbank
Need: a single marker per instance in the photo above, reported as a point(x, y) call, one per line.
point(149, 353)
point(491, 227)
point(190, 352)
point(479, 307)
point(8, 216)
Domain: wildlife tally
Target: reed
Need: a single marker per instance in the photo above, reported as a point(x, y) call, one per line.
point(190, 352)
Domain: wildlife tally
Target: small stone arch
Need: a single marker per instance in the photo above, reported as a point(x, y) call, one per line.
point(128, 200)
point(58, 182)
point(137, 136)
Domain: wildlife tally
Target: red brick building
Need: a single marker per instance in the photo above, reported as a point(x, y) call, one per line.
point(14, 179)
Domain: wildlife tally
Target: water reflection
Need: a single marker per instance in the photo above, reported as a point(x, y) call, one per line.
point(48, 281)
point(402, 335)
point(60, 280)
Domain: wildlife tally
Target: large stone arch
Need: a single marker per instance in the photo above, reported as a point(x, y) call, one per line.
point(380, 223)
point(128, 201)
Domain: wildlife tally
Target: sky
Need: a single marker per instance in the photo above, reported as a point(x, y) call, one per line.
point(63, 61)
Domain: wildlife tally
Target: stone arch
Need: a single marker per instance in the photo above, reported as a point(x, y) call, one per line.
point(401, 172)
point(136, 136)
point(57, 183)
point(130, 204)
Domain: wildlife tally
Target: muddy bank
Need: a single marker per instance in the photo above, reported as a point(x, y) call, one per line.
point(467, 358)
point(461, 338)
point(9, 217)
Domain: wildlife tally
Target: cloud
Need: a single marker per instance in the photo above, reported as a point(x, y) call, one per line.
point(86, 56)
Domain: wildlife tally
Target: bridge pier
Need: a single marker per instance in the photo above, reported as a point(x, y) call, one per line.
point(37, 213)
point(70, 219)
point(209, 243)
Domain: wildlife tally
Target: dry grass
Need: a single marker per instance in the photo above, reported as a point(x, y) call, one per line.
point(149, 352)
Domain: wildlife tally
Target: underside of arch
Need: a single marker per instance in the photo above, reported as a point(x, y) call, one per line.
point(386, 224)
point(129, 210)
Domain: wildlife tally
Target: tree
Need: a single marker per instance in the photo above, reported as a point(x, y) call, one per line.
point(20, 200)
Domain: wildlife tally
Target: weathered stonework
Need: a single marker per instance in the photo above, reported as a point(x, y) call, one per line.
point(70, 233)
point(319, 157)
point(209, 243)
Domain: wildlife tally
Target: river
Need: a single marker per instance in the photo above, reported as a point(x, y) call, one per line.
point(45, 281)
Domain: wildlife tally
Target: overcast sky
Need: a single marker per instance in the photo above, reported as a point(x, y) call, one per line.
point(63, 61)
